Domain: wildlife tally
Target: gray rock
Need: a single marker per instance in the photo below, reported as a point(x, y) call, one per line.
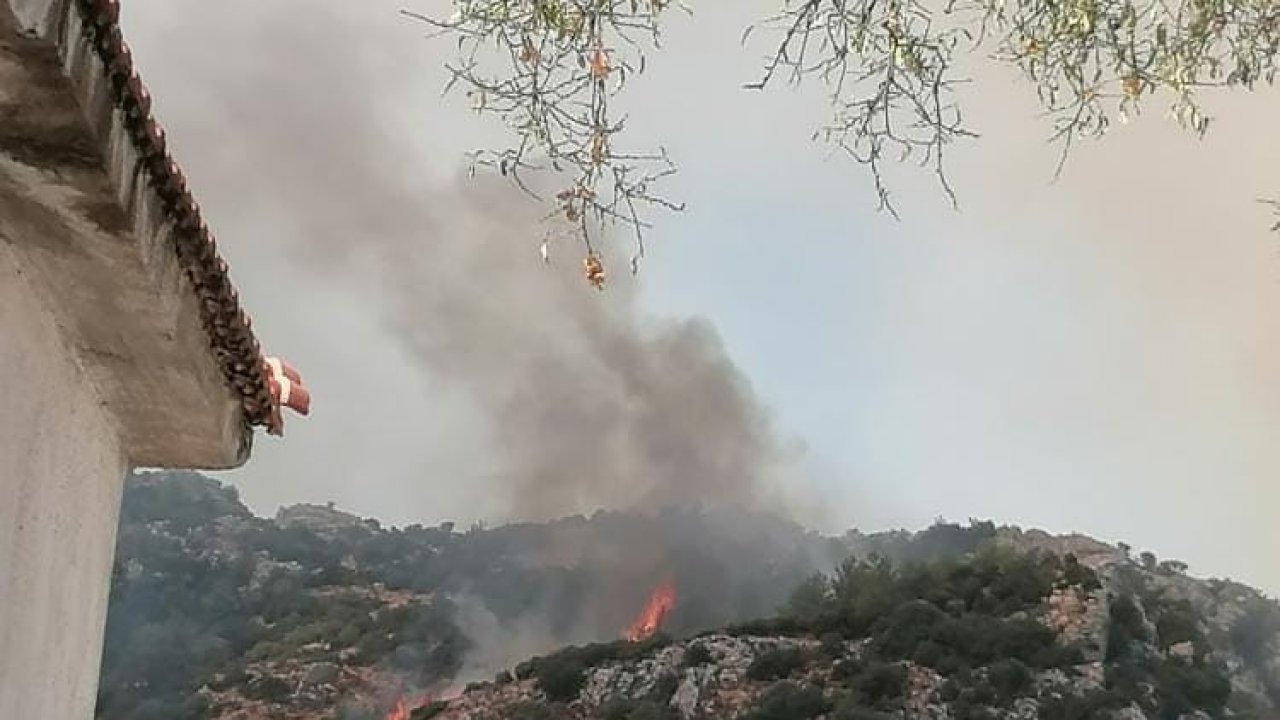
point(321, 674)
point(1133, 712)
point(1025, 709)
point(687, 694)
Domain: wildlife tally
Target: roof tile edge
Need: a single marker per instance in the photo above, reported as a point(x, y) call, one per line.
point(236, 349)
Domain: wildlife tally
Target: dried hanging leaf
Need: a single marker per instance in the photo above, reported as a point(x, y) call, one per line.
point(599, 64)
point(1132, 86)
point(594, 270)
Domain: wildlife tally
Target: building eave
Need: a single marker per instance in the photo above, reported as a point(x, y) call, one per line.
point(96, 24)
point(118, 145)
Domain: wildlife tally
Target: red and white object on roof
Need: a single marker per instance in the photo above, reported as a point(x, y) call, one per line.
point(285, 385)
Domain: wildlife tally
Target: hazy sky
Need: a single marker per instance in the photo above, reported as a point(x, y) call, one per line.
point(1101, 354)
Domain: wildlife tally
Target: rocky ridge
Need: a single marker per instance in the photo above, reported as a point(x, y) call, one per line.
point(317, 614)
point(1131, 639)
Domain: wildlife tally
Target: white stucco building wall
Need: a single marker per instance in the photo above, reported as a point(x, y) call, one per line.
point(61, 470)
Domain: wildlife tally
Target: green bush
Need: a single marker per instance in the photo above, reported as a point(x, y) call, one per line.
point(769, 627)
point(832, 645)
point(529, 710)
point(428, 711)
point(901, 631)
point(632, 709)
point(776, 663)
point(1073, 573)
point(1009, 678)
point(849, 708)
point(268, 688)
point(595, 654)
point(664, 686)
point(561, 679)
point(788, 701)
point(1127, 627)
point(920, 632)
point(879, 684)
point(1254, 635)
point(1177, 622)
point(1186, 687)
point(1087, 706)
point(810, 600)
point(843, 670)
point(695, 655)
point(967, 708)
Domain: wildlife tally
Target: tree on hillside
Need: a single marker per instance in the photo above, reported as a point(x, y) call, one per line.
point(550, 69)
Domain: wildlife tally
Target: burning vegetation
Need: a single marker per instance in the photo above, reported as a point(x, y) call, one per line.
point(399, 711)
point(655, 611)
point(405, 707)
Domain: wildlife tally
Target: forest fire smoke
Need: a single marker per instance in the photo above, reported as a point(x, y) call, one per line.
point(576, 401)
point(655, 611)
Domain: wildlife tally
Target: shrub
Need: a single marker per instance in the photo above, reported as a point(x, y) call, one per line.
point(832, 645)
point(1177, 623)
point(696, 655)
point(775, 664)
point(560, 679)
point(922, 633)
point(971, 709)
point(561, 667)
point(879, 684)
point(777, 627)
point(1127, 627)
point(268, 688)
point(810, 599)
point(1253, 636)
point(1087, 706)
point(1185, 687)
point(1058, 656)
point(664, 686)
point(1126, 678)
point(789, 701)
point(1009, 678)
point(850, 709)
point(428, 711)
point(899, 633)
point(530, 710)
point(631, 709)
point(1073, 573)
point(847, 669)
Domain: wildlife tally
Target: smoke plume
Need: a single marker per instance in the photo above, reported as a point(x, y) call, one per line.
point(581, 403)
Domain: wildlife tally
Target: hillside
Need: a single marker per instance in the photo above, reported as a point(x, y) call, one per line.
point(216, 613)
point(1005, 632)
point(317, 613)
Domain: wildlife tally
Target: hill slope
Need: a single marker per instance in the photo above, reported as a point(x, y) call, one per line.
point(1008, 631)
point(317, 613)
point(218, 613)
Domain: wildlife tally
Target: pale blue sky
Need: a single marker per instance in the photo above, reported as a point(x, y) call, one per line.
point(1100, 355)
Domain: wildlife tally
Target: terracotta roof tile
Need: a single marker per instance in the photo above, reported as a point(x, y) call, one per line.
point(226, 323)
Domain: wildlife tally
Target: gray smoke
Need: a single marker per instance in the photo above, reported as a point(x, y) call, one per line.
point(580, 402)
point(498, 645)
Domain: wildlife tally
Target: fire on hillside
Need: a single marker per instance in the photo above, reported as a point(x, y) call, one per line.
point(655, 610)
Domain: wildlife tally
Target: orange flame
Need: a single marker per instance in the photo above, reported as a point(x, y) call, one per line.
point(654, 612)
point(402, 709)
